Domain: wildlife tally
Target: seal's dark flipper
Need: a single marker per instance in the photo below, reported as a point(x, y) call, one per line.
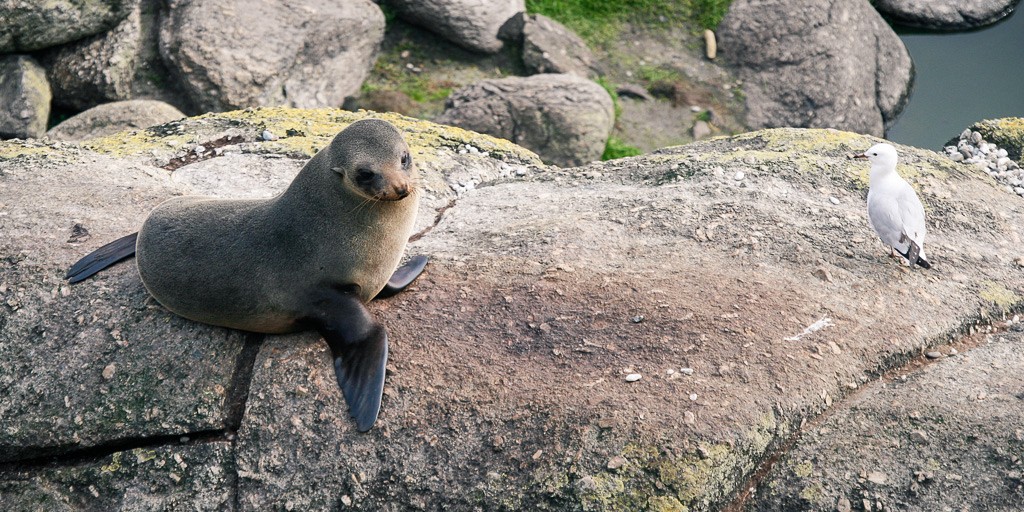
point(102, 258)
point(360, 349)
point(404, 276)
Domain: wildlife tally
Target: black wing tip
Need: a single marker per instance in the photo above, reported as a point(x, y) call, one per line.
point(923, 263)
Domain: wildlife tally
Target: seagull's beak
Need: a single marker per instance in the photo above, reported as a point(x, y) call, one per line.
point(862, 156)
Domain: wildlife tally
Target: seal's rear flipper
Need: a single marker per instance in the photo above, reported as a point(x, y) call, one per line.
point(404, 276)
point(102, 258)
point(360, 349)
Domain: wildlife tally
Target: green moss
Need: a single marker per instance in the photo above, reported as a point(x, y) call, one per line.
point(616, 148)
point(998, 294)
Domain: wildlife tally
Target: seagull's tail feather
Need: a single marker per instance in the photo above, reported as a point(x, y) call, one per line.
point(913, 254)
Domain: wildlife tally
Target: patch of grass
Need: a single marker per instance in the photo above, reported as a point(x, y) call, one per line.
point(598, 21)
point(709, 13)
point(391, 74)
point(656, 74)
point(615, 148)
point(610, 88)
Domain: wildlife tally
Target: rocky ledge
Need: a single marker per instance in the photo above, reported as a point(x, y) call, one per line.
point(737, 277)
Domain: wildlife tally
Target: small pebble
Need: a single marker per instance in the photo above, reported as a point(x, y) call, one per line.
point(616, 462)
point(686, 371)
point(833, 200)
point(693, 397)
point(739, 176)
point(268, 135)
point(108, 371)
point(637, 319)
point(934, 354)
point(633, 377)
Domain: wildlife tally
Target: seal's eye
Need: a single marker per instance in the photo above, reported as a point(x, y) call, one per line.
point(405, 160)
point(364, 176)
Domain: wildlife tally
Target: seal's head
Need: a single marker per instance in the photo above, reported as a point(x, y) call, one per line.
point(373, 160)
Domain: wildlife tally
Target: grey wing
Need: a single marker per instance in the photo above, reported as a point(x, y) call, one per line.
point(912, 215)
point(885, 218)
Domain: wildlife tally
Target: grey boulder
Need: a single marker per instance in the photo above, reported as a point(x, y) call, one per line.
point(550, 47)
point(98, 69)
point(110, 118)
point(30, 26)
point(24, 97)
point(565, 119)
point(945, 14)
point(473, 24)
point(805, 63)
point(245, 54)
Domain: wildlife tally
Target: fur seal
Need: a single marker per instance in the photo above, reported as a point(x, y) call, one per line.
point(307, 259)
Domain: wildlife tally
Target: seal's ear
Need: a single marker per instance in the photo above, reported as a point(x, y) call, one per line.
point(339, 170)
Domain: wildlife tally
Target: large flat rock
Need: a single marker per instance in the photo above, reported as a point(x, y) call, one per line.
point(950, 437)
point(699, 267)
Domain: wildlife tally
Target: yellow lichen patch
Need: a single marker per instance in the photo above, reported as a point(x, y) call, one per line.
point(115, 463)
point(300, 131)
point(10, 150)
point(812, 494)
point(143, 455)
point(808, 139)
point(804, 469)
point(998, 294)
point(135, 142)
point(665, 504)
point(655, 478)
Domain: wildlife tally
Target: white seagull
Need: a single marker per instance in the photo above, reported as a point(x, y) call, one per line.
point(894, 210)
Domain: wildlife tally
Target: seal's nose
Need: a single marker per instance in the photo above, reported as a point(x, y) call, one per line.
point(401, 190)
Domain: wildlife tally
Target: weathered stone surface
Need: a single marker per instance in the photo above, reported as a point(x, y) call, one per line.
point(166, 376)
point(246, 54)
point(550, 47)
point(945, 14)
point(30, 25)
point(96, 70)
point(24, 97)
point(473, 24)
point(948, 435)
point(806, 63)
point(110, 118)
point(167, 477)
point(506, 385)
point(564, 118)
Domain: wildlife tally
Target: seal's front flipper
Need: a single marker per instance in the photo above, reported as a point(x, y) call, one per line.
point(360, 349)
point(404, 276)
point(102, 258)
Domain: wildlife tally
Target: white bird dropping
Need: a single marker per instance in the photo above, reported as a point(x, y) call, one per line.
point(894, 210)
